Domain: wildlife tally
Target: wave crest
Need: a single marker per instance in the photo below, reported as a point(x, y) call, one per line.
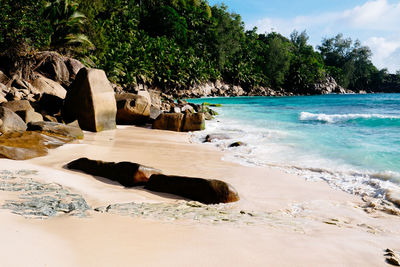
point(333, 118)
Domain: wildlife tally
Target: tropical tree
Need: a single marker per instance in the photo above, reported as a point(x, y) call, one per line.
point(67, 23)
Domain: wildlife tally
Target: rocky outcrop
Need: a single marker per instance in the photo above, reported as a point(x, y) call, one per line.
point(207, 89)
point(327, 86)
point(132, 109)
point(91, 101)
point(10, 122)
point(198, 189)
point(126, 173)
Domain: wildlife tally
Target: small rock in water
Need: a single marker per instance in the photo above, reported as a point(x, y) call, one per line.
point(237, 144)
point(216, 137)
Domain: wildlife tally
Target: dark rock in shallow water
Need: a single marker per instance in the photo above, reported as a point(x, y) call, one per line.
point(198, 189)
point(236, 144)
point(216, 137)
point(126, 173)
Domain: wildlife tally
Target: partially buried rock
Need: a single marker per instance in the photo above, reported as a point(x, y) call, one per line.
point(126, 173)
point(132, 109)
point(169, 121)
point(91, 101)
point(56, 129)
point(11, 121)
point(198, 189)
point(27, 145)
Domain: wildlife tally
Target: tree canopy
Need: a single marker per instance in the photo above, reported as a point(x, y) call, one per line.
point(178, 43)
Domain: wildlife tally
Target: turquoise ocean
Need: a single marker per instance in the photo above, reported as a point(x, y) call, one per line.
point(350, 141)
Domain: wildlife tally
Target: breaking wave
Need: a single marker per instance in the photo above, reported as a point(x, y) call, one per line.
point(334, 118)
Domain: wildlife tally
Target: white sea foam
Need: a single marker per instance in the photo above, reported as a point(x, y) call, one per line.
point(263, 148)
point(333, 118)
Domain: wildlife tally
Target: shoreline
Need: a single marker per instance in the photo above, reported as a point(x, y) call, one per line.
point(296, 222)
point(274, 146)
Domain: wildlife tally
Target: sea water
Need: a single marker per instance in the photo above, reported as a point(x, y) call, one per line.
point(350, 141)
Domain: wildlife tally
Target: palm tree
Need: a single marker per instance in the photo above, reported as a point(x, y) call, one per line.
point(67, 23)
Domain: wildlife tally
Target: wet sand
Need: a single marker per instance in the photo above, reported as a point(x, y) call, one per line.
point(281, 220)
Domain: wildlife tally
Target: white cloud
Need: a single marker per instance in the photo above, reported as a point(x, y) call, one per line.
point(386, 52)
point(374, 23)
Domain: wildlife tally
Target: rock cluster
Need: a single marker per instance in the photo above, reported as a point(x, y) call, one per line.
point(328, 86)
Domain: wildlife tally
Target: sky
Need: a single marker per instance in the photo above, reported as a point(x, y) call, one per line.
point(376, 23)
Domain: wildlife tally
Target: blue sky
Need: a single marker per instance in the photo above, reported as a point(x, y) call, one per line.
point(376, 23)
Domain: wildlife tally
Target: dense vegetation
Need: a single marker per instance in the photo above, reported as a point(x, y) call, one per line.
point(177, 43)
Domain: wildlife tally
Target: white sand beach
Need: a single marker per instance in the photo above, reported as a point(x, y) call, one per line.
point(281, 219)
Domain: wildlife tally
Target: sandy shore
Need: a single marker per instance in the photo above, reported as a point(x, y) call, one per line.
point(281, 220)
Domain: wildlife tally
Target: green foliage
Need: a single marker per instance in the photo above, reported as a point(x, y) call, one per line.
point(178, 43)
point(349, 63)
point(306, 65)
point(21, 23)
point(67, 23)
